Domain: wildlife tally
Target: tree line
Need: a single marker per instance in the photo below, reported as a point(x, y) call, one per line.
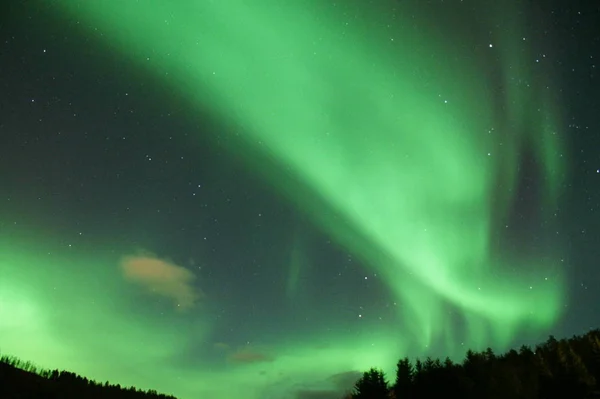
point(555, 369)
point(23, 380)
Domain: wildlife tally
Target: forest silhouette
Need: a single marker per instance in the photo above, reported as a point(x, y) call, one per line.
point(23, 380)
point(565, 369)
point(556, 369)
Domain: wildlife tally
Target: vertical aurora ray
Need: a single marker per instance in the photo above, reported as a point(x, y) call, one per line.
point(392, 131)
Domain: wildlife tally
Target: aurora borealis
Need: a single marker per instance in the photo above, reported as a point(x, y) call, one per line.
point(262, 199)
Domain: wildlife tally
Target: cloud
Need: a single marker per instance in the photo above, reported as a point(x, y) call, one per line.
point(163, 278)
point(335, 386)
point(345, 380)
point(221, 346)
point(310, 394)
point(247, 355)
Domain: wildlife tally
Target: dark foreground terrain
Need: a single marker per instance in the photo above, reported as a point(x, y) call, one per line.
point(555, 369)
point(22, 380)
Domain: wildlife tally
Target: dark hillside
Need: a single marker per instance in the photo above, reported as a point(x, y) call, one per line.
point(22, 380)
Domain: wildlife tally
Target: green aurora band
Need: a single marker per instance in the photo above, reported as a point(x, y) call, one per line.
point(388, 141)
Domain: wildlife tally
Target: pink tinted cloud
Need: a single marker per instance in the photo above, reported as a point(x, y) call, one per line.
point(250, 356)
point(162, 278)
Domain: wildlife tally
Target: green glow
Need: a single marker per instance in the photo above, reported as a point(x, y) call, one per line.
point(393, 136)
point(297, 260)
point(62, 310)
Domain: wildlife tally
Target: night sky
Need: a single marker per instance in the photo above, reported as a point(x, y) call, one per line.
point(263, 199)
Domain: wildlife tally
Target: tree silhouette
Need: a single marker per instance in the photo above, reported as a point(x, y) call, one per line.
point(554, 369)
point(22, 379)
point(405, 378)
point(372, 385)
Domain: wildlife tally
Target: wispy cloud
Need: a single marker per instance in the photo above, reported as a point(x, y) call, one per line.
point(334, 387)
point(247, 355)
point(162, 278)
point(221, 346)
point(315, 394)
